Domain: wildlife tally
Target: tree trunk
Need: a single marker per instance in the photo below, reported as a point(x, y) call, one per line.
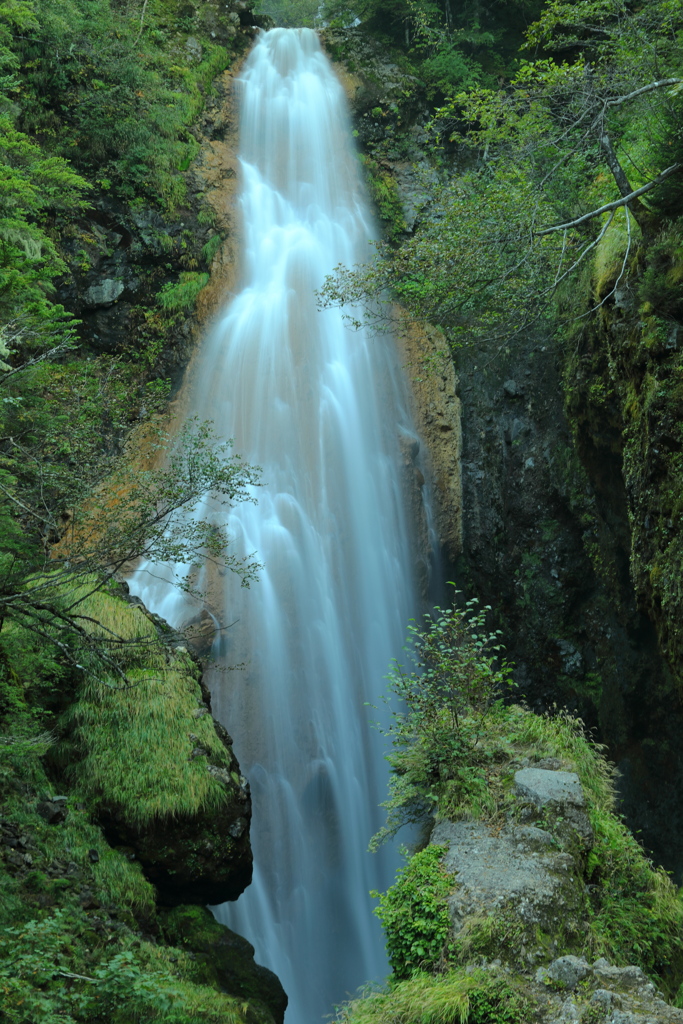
point(642, 215)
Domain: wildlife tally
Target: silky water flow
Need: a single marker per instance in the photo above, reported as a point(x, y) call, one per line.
point(321, 408)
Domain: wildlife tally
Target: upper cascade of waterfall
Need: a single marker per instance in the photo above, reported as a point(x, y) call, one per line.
point(320, 408)
point(295, 133)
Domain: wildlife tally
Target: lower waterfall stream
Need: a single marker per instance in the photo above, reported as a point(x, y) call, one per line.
point(323, 410)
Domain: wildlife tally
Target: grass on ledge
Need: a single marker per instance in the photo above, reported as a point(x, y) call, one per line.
point(479, 997)
point(130, 747)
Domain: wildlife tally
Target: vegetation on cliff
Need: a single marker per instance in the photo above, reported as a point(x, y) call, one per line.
point(559, 148)
point(117, 802)
point(574, 521)
point(119, 793)
point(457, 748)
point(97, 106)
point(97, 102)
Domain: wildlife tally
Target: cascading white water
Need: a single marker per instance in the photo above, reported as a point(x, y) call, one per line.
point(321, 409)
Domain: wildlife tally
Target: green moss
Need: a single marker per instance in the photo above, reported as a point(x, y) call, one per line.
point(610, 253)
point(636, 912)
point(659, 287)
point(112, 878)
point(384, 192)
point(624, 388)
point(224, 960)
point(129, 746)
point(74, 911)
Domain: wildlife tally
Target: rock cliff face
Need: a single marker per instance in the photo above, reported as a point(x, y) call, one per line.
point(548, 540)
point(565, 466)
point(436, 411)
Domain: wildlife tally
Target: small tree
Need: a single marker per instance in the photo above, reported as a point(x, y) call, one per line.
point(134, 514)
point(455, 678)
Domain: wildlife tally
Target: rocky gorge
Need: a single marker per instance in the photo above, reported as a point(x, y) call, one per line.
point(554, 477)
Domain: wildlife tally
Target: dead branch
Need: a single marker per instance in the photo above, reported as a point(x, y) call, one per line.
point(662, 83)
point(142, 22)
point(615, 205)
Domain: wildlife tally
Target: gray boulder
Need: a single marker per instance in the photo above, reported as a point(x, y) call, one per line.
point(568, 971)
point(515, 869)
point(103, 294)
point(543, 787)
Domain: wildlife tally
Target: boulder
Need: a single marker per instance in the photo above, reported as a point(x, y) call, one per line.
point(542, 787)
point(159, 772)
point(201, 858)
point(567, 971)
point(601, 993)
point(226, 961)
point(516, 870)
point(104, 293)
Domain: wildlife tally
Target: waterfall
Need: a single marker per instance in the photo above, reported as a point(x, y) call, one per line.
point(322, 409)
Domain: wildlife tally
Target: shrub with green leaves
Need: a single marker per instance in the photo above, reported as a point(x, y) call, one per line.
point(414, 913)
point(454, 680)
point(49, 974)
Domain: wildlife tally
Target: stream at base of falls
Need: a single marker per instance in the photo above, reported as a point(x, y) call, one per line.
point(323, 410)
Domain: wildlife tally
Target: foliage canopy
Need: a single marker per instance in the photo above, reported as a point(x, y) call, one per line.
point(556, 152)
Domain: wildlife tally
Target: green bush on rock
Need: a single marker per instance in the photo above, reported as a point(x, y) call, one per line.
point(455, 731)
point(452, 687)
point(414, 913)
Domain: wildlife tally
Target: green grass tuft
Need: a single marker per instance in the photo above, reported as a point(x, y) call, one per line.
point(454, 998)
point(175, 298)
point(134, 741)
point(211, 248)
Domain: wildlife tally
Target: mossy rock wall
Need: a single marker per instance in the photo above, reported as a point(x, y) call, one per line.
point(156, 770)
point(91, 849)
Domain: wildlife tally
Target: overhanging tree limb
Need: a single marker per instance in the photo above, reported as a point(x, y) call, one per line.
point(615, 205)
point(661, 84)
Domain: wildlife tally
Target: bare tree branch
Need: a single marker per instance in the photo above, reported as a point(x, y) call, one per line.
point(618, 280)
point(142, 22)
point(615, 205)
point(645, 88)
point(584, 252)
point(618, 172)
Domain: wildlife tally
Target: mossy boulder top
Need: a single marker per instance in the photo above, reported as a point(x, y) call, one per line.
point(157, 769)
point(520, 887)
